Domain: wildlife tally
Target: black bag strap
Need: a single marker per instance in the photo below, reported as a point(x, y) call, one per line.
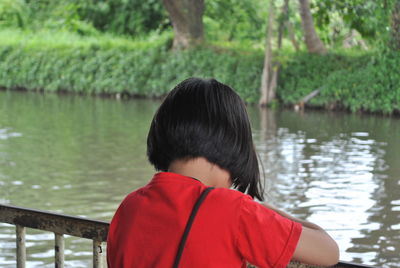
point(189, 225)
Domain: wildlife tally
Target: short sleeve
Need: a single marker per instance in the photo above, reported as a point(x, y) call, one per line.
point(265, 238)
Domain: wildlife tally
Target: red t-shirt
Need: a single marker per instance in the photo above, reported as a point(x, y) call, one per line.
point(229, 230)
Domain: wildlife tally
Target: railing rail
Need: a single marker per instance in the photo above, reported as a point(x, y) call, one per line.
point(62, 225)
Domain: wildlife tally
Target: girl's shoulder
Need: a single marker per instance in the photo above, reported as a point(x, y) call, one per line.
point(230, 196)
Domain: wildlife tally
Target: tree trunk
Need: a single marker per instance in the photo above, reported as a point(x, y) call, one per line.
point(314, 44)
point(267, 69)
point(276, 66)
point(292, 35)
point(273, 83)
point(282, 22)
point(395, 31)
point(187, 20)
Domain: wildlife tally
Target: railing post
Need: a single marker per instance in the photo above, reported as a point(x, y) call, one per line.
point(21, 251)
point(59, 250)
point(97, 253)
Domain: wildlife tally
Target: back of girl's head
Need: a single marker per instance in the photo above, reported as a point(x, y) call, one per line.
point(205, 118)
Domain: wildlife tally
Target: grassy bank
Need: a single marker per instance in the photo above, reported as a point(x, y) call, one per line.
point(107, 64)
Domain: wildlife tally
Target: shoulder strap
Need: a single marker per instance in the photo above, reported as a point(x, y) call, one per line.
point(189, 225)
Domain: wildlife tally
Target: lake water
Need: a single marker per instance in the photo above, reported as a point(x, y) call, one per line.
point(81, 155)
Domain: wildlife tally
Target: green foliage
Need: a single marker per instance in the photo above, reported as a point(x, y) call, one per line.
point(138, 68)
point(373, 87)
point(12, 13)
point(335, 18)
point(45, 14)
point(224, 20)
point(304, 72)
point(368, 82)
point(86, 17)
point(235, 19)
point(107, 64)
point(130, 17)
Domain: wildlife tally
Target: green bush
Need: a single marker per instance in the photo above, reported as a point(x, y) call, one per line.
point(305, 72)
point(13, 13)
point(134, 17)
point(362, 81)
point(125, 17)
point(107, 64)
point(112, 66)
point(373, 86)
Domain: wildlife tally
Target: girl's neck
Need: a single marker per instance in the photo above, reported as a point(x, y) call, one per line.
point(200, 168)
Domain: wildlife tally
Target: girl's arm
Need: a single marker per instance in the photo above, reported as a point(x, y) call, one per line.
point(315, 246)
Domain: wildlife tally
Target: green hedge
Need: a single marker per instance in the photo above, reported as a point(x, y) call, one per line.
point(105, 64)
point(135, 68)
point(355, 81)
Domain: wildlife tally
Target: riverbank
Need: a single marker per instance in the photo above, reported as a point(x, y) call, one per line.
point(109, 65)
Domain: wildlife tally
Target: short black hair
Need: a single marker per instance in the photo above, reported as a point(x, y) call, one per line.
point(205, 118)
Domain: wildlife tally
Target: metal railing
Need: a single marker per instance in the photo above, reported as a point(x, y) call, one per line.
point(60, 225)
point(95, 230)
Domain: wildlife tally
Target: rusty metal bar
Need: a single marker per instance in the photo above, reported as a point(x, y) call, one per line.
point(21, 251)
point(97, 253)
point(53, 222)
point(59, 250)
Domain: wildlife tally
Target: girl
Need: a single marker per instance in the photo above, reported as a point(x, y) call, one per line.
point(199, 138)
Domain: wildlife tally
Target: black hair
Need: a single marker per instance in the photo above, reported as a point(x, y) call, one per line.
point(205, 118)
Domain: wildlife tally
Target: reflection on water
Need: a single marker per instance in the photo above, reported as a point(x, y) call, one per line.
point(334, 170)
point(81, 156)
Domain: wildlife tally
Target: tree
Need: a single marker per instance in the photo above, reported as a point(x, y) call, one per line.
point(313, 42)
point(269, 77)
point(187, 20)
point(395, 30)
